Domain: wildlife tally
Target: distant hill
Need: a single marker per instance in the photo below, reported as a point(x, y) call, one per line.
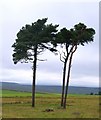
point(49, 89)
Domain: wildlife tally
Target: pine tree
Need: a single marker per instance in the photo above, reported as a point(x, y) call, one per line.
point(70, 39)
point(31, 41)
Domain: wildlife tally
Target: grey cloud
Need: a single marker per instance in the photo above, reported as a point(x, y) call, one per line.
point(85, 69)
point(63, 13)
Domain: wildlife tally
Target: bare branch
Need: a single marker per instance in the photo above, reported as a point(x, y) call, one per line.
point(62, 60)
point(30, 61)
point(64, 57)
point(71, 49)
point(61, 57)
point(45, 46)
point(74, 49)
point(64, 54)
point(42, 60)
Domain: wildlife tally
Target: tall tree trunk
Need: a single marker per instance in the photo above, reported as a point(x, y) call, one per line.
point(64, 75)
point(34, 76)
point(68, 76)
point(63, 86)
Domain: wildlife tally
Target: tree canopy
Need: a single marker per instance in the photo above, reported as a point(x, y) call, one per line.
point(38, 34)
point(80, 34)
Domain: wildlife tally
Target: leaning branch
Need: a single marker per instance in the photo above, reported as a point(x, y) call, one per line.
point(74, 49)
point(61, 57)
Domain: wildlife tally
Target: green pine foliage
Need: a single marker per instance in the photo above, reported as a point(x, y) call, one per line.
point(31, 35)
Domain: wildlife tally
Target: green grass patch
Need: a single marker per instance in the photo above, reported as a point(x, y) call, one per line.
point(18, 105)
point(12, 93)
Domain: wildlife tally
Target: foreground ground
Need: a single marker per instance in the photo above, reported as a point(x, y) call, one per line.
point(18, 105)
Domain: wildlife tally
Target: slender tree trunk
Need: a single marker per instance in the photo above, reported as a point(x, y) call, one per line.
point(63, 86)
point(68, 76)
point(34, 76)
point(64, 76)
point(67, 84)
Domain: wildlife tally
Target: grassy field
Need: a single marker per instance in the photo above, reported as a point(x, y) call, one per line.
point(18, 105)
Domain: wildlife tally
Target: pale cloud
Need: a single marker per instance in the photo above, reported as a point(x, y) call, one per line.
point(25, 76)
point(46, 78)
point(20, 76)
point(87, 81)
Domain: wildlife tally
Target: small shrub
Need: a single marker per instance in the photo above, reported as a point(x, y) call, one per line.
point(91, 93)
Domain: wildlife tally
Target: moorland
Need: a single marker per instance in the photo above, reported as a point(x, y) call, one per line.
point(17, 104)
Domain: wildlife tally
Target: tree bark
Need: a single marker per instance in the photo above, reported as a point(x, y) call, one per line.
point(64, 75)
point(34, 76)
point(68, 76)
point(63, 86)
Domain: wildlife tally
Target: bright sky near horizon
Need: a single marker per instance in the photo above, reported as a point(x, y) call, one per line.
point(16, 13)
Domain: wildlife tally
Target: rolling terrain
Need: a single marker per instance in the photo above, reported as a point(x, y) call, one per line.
point(49, 89)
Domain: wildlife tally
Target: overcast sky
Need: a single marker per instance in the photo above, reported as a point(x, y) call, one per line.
point(16, 13)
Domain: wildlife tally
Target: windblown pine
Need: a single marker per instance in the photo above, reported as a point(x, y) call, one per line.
point(70, 39)
point(36, 35)
point(31, 41)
